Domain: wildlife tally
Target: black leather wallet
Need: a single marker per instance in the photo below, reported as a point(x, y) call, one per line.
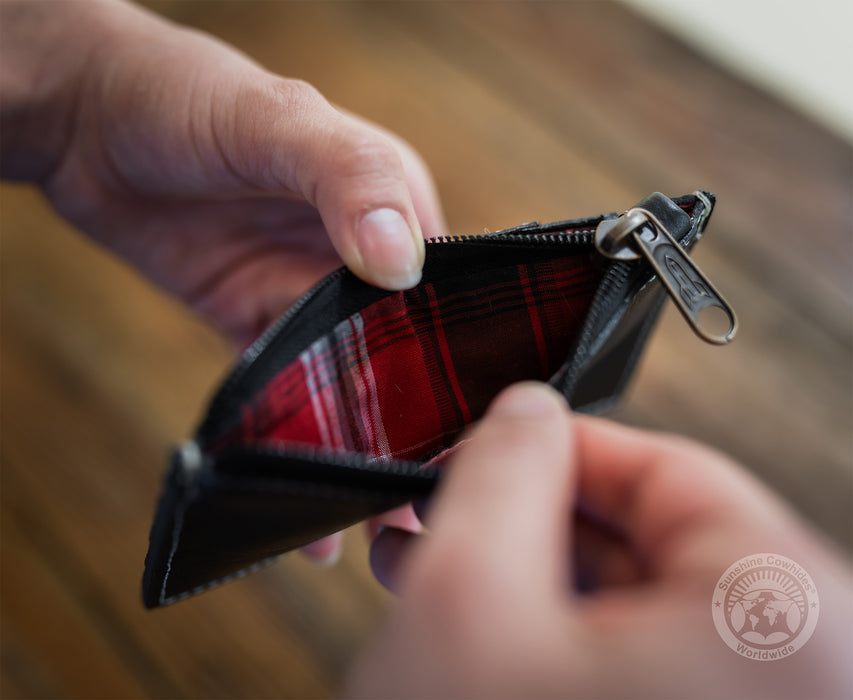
point(341, 409)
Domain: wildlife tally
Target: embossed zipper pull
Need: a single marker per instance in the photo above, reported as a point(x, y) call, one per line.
point(638, 232)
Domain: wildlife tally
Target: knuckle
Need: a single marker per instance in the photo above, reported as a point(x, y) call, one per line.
point(291, 94)
point(361, 152)
point(276, 120)
point(364, 172)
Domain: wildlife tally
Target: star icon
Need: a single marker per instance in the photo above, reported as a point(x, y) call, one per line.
point(717, 603)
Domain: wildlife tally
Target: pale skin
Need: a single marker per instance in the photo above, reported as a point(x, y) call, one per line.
point(487, 605)
point(236, 189)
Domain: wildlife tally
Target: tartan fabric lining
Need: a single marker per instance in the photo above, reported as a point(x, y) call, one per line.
point(403, 377)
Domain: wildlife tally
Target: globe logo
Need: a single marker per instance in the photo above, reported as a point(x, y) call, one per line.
point(765, 607)
point(764, 616)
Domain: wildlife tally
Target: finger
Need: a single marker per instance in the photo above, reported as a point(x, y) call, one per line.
point(385, 555)
point(221, 126)
point(282, 134)
point(441, 461)
point(421, 508)
point(506, 503)
point(423, 191)
point(403, 518)
point(387, 552)
point(682, 505)
point(421, 186)
point(602, 556)
point(327, 551)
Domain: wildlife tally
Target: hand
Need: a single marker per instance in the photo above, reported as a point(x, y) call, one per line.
point(218, 180)
point(488, 607)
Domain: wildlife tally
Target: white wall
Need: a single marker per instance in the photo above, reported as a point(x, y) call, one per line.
point(802, 50)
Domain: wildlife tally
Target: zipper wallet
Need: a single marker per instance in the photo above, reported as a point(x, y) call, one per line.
point(342, 409)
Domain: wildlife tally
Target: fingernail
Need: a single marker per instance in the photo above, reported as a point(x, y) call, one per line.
point(392, 254)
point(528, 400)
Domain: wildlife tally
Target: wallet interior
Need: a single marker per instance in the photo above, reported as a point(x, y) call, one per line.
point(402, 377)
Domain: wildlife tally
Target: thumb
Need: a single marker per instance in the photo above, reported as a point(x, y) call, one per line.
point(178, 113)
point(288, 135)
point(507, 501)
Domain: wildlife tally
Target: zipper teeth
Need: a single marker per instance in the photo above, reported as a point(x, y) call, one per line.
point(584, 237)
point(349, 460)
point(613, 279)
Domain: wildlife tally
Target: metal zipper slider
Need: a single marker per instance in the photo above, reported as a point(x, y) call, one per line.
point(639, 232)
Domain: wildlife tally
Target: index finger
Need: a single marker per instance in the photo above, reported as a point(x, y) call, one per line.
point(505, 504)
point(684, 507)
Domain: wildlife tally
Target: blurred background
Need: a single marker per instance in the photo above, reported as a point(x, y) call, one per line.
point(523, 111)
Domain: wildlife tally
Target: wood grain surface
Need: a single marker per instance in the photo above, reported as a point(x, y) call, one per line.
point(523, 112)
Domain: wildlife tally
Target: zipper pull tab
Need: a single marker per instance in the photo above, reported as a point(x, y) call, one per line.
point(639, 232)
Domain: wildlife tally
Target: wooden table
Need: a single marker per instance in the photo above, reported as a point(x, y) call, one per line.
point(524, 111)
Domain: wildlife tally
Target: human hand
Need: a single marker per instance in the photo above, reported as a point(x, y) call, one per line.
point(488, 607)
point(217, 179)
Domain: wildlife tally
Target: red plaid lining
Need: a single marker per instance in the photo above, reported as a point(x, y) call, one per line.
point(404, 376)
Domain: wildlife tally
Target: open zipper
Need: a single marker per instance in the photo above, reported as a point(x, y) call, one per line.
point(583, 241)
point(622, 238)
